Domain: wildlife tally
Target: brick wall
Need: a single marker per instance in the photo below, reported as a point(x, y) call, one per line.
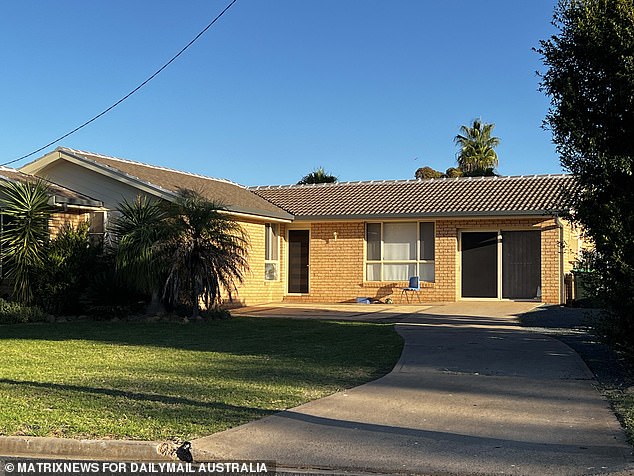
point(255, 289)
point(337, 266)
point(574, 243)
point(551, 262)
point(59, 219)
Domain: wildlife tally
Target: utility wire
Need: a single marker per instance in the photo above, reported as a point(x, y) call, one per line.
point(105, 111)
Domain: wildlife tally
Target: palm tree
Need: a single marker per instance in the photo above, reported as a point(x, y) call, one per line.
point(319, 175)
point(477, 154)
point(136, 232)
point(25, 233)
point(206, 252)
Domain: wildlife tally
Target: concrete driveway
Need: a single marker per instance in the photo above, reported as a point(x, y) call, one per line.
point(472, 394)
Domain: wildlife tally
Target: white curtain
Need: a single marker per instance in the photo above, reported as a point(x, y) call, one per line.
point(398, 272)
point(399, 242)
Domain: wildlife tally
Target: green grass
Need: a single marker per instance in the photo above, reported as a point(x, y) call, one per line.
point(623, 405)
point(164, 380)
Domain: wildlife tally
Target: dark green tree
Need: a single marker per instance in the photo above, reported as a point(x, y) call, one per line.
point(590, 81)
point(453, 172)
point(428, 173)
point(319, 175)
point(136, 232)
point(67, 269)
point(477, 145)
point(205, 251)
point(189, 250)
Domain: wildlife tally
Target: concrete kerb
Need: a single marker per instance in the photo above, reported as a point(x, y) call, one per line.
point(66, 448)
point(93, 450)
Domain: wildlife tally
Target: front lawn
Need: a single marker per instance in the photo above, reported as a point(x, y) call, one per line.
point(164, 380)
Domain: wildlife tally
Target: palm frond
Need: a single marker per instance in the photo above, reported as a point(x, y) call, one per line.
point(25, 235)
point(137, 231)
point(476, 147)
point(207, 250)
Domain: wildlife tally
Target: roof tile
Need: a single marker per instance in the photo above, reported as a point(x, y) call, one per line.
point(233, 196)
point(517, 195)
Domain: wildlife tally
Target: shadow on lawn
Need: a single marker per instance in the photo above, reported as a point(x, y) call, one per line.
point(138, 396)
point(240, 336)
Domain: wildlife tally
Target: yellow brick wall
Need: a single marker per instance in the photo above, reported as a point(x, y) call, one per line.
point(551, 262)
point(337, 266)
point(59, 219)
point(573, 244)
point(255, 289)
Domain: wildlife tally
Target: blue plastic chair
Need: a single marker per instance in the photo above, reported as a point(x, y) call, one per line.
point(412, 287)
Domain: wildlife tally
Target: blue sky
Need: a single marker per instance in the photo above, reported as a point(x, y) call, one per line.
point(368, 89)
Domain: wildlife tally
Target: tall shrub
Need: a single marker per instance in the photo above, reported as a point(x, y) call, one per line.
point(590, 81)
point(206, 252)
point(66, 271)
point(137, 232)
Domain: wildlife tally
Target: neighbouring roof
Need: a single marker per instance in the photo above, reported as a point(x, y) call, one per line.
point(235, 197)
point(464, 196)
point(61, 195)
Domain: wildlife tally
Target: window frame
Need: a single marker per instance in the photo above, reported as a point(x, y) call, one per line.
point(268, 261)
point(417, 262)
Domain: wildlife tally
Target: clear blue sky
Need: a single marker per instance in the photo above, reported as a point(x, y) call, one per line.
point(368, 89)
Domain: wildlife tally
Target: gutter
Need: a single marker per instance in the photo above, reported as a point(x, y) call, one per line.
point(410, 216)
point(76, 203)
point(259, 218)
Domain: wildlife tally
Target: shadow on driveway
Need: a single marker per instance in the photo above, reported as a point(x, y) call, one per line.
point(472, 393)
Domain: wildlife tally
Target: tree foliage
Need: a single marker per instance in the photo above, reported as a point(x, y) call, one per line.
point(66, 270)
point(590, 81)
point(137, 229)
point(428, 173)
point(190, 250)
point(319, 175)
point(206, 252)
point(26, 211)
point(476, 157)
point(477, 145)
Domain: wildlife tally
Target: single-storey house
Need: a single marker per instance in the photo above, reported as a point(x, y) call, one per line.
point(467, 238)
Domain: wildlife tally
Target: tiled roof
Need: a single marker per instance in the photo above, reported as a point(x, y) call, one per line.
point(62, 194)
point(233, 196)
point(464, 196)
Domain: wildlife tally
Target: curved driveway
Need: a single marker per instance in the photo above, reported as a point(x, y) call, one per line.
point(472, 393)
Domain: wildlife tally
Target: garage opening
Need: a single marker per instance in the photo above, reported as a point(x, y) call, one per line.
point(480, 264)
point(504, 264)
point(521, 264)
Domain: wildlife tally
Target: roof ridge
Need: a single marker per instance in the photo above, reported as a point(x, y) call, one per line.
point(157, 167)
point(381, 182)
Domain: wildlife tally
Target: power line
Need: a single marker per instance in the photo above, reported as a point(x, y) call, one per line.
point(105, 111)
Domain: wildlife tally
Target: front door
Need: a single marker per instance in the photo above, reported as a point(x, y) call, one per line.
point(480, 264)
point(298, 241)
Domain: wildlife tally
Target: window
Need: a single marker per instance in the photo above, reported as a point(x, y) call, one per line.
point(97, 230)
point(271, 252)
point(396, 251)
